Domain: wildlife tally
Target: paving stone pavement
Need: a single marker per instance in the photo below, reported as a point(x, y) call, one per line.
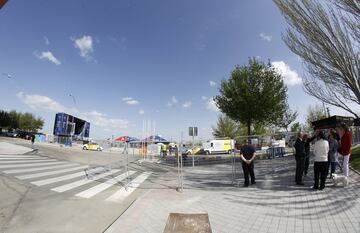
point(12, 149)
point(274, 204)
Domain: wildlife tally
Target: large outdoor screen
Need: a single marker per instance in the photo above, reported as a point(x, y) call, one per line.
point(68, 125)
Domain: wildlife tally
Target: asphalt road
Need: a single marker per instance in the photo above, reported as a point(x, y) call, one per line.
point(62, 199)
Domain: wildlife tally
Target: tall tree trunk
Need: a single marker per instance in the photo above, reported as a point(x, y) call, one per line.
point(249, 130)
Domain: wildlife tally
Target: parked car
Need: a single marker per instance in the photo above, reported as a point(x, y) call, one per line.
point(192, 151)
point(92, 146)
point(11, 134)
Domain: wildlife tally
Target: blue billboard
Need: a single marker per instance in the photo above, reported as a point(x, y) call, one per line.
point(68, 125)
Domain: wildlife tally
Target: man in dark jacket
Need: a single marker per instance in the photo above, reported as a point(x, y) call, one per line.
point(247, 155)
point(307, 142)
point(300, 155)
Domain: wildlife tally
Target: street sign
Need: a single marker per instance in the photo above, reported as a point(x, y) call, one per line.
point(193, 131)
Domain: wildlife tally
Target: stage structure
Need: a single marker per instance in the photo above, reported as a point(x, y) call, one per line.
point(68, 128)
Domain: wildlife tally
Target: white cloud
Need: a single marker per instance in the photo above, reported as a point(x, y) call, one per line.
point(47, 42)
point(40, 103)
point(48, 56)
point(85, 45)
point(141, 112)
point(211, 105)
point(172, 101)
point(126, 98)
point(130, 101)
point(44, 103)
point(265, 37)
point(212, 83)
point(102, 120)
point(290, 77)
point(187, 104)
point(203, 97)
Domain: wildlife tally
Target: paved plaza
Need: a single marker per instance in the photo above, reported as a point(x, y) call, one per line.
point(274, 204)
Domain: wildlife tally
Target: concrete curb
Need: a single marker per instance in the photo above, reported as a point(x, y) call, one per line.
point(354, 170)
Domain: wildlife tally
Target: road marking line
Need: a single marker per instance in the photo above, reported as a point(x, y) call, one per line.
point(31, 165)
point(38, 169)
point(27, 158)
point(28, 161)
point(103, 186)
point(120, 195)
point(79, 183)
point(42, 174)
point(19, 156)
point(58, 179)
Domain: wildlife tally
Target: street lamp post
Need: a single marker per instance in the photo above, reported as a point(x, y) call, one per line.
point(73, 97)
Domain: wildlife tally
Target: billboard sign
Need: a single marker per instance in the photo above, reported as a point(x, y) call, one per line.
point(68, 125)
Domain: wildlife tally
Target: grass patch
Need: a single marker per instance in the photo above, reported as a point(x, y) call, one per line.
point(355, 158)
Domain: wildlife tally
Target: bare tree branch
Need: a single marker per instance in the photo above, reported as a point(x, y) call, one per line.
point(327, 38)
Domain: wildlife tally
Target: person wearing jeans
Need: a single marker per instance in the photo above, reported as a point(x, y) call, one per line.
point(345, 147)
point(321, 150)
point(333, 150)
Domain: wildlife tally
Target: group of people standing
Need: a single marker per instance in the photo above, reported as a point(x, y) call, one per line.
point(325, 150)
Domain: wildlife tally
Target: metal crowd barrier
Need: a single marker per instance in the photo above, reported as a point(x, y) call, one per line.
point(274, 152)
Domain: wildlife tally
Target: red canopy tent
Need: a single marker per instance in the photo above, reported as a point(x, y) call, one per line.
point(126, 139)
point(122, 139)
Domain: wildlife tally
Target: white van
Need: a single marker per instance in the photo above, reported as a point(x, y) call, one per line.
point(218, 146)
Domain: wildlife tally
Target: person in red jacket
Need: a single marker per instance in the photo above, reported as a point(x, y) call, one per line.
point(345, 147)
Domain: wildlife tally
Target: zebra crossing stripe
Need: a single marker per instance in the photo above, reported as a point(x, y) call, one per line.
point(82, 182)
point(42, 174)
point(120, 195)
point(27, 161)
point(38, 168)
point(23, 158)
point(58, 179)
point(19, 156)
point(103, 186)
point(31, 165)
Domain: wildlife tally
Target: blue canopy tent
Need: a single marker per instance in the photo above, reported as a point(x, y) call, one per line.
point(156, 139)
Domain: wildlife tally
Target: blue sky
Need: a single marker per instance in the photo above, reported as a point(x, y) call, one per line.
point(135, 60)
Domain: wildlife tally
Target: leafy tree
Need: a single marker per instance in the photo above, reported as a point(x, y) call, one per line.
point(314, 113)
point(288, 118)
point(296, 127)
point(227, 128)
point(260, 129)
point(25, 121)
point(326, 35)
point(18, 120)
point(254, 94)
point(29, 122)
point(14, 116)
point(5, 119)
point(38, 124)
